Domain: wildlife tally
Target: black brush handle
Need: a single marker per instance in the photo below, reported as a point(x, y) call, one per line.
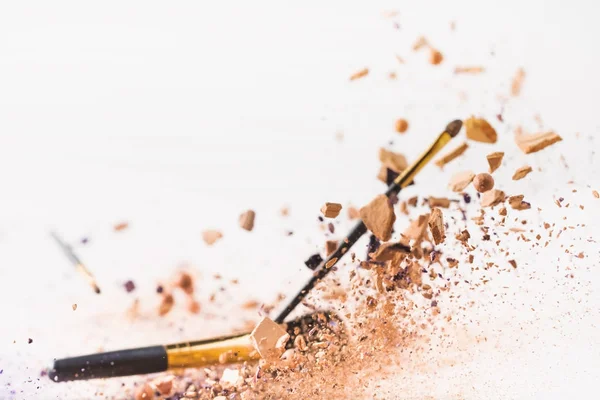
point(144, 360)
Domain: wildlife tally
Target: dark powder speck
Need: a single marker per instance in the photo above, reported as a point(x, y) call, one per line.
point(129, 286)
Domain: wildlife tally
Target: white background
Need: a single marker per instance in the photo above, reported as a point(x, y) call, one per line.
point(177, 116)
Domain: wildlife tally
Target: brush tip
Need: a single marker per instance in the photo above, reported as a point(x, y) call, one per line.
point(454, 127)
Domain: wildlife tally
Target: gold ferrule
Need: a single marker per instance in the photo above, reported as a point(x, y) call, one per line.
point(408, 175)
point(210, 352)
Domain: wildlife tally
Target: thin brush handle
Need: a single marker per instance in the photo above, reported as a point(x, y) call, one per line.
point(360, 229)
point(195, 354)
point(144, 360)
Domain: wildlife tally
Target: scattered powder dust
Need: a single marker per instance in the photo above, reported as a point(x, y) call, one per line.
point(440, 307)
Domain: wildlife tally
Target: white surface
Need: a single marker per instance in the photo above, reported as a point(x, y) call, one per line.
point(178, 116)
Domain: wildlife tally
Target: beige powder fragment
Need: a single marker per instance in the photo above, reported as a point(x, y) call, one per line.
point(331, 210)
point(247, 220)
point(360, 74)
point(479, 130)
point(536, 142)
point(492, 197)
point(211, 236)
point(517, 82)
point(353, 213)
point(379, 217)
point(452, 155)
point(394, 161)
point(417, 228)
point(436, 226)
point(443, 202)
point(495, 160)
point(265, 337)
point(521, 172)
point(461, 180)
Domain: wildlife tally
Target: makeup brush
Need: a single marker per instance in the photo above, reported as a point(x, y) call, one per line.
point(202, 353)
point(81, 268)
point(403, 180)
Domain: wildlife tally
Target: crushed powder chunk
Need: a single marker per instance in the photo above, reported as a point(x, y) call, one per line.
point(330, 246)
point(461, 180)
point(495, 160)
point(535, 142)
point(247, 220)
point(121, 226)
point(265, 338)
point(468, 70)
point(435, 57)
point(360, 74)
point(331, 210)
point(479, 130)
point(436, 225)
point(211, 236)
point(394, 161)
point(492, 197)
point(452, 155)
point(521, 173)
point(442, 202)
point(517, 82)
point(379, 217)
point(353, 213)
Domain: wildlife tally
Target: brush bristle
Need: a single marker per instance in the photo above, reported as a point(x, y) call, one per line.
point(454, 127)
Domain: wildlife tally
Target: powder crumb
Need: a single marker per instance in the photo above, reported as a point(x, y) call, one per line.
point(468, 70)
point(394, 161)
point(517, 82)
point(492, 197)
point(379, 217)
point(436, 225)
point(164, 385)
point(401, 125)
point(230, 377)
point(330, 246)
point(265, 338)
point(211, 236)
point(495, 160)
point(166, 304)
point(536, 142)
point(360, 74)
point(121, 226)
point(517, 203)
point(331, 210)
point(193, 306)
point(435, 57)
point(129, 286)
point(247, 220)
point(461, 180)
point(184, 281)
point(420, 43)
point(353, 213)
point(74, 306)
point(521, 173)
point(144, 392)
point(442, 202)
point(452, 155)
point(479, 130)
point(596, 194)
